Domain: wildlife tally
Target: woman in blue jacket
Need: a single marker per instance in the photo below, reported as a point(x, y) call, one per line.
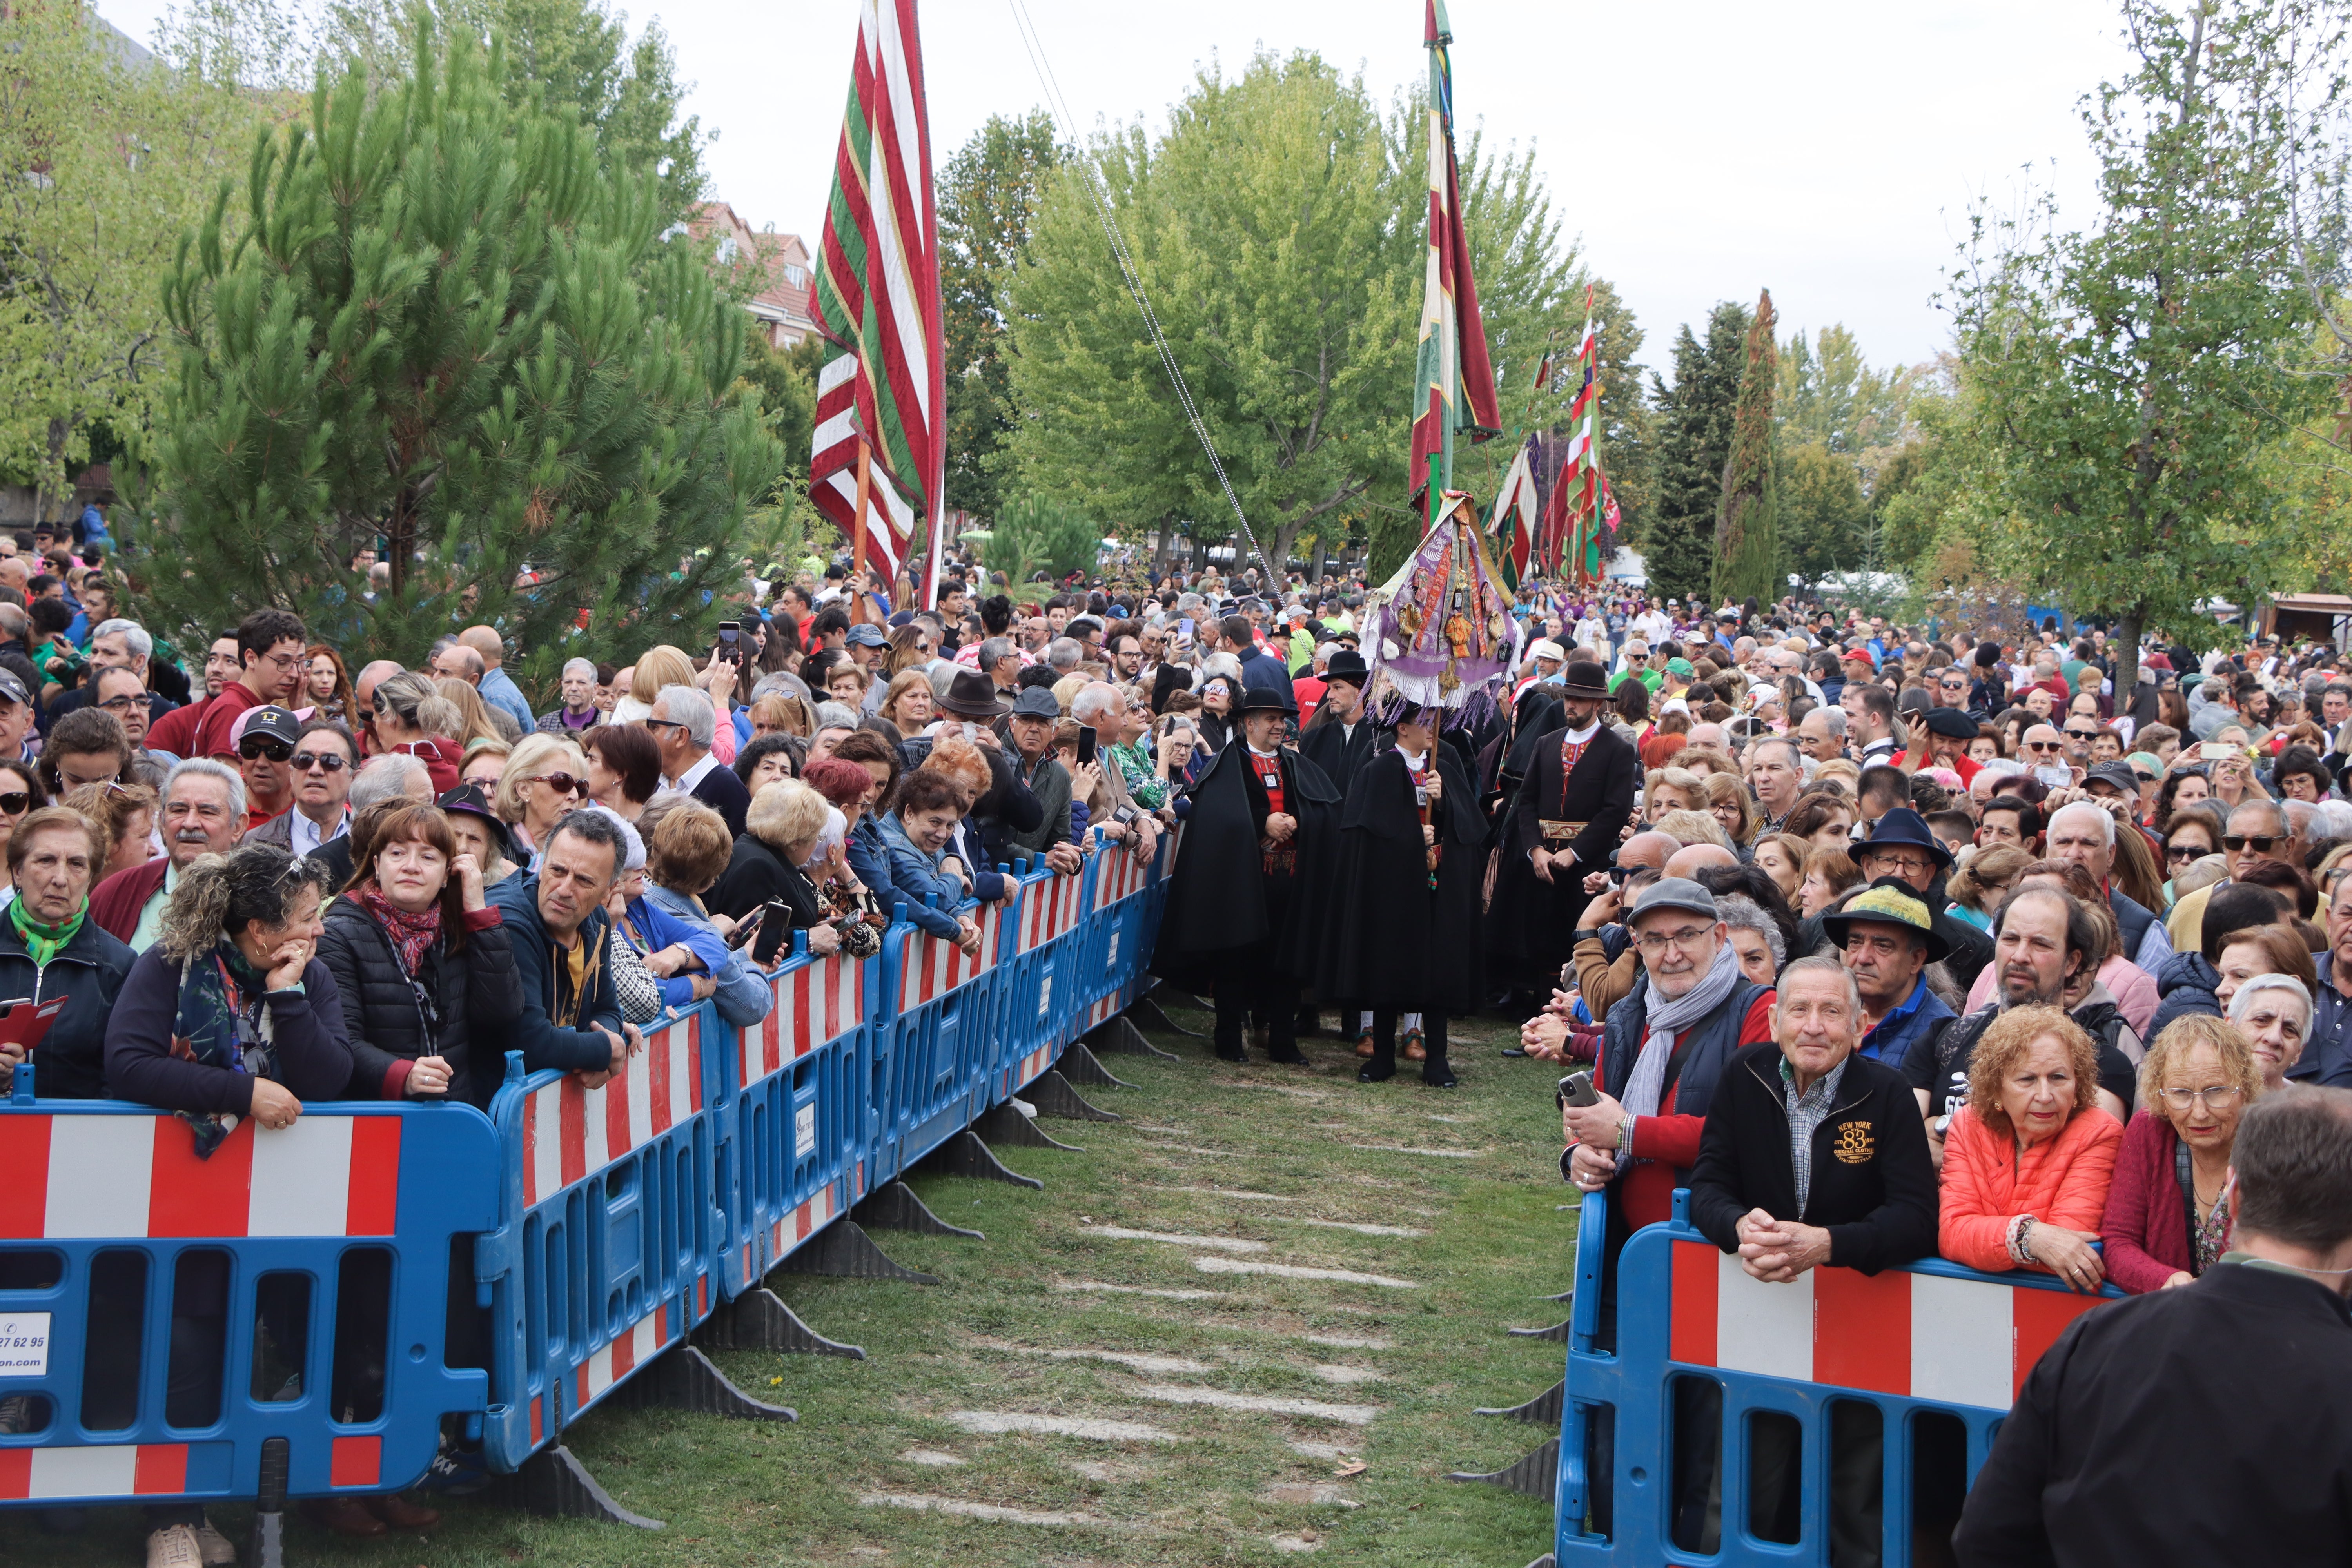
point(685, 854)
point(922, 876)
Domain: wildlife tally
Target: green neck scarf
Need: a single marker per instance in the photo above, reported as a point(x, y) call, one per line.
point(43, 942)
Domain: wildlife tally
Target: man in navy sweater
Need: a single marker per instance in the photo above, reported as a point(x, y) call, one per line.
point(571, 1018)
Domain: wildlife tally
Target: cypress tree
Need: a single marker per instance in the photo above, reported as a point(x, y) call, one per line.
point(1694, 440)
point(1747, 532)
point(430, 318)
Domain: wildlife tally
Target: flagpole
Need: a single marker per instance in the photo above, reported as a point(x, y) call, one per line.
point(1442, 480)
point(857, 530)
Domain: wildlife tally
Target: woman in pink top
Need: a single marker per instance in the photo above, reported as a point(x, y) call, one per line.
point(2028, 1159)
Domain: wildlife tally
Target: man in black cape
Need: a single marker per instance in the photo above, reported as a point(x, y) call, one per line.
point(1338, 739)
point(1411, 862)
point(1251, 891)
point(1563, 823)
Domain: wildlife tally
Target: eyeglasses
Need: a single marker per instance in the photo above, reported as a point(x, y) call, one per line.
point(1656, 942)
point(561, 784)
point(2082, 734)
point(324, 761)
point(663, 724)
point(258, 746)
point(2215, 1097)
point(2184, 852)
point(125, 702)
point(2260, 843)
point(2044, 745)
point(1900, 860)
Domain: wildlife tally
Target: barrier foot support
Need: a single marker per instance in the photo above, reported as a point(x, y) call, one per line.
point(1567, 1295)
point(1052, 1095)
point(1119, 1036)
point(893, 1207)
point(1078, 1064)
point(759, 1321)
point(553, 1484)
point(684, 1379)
point(844, 1251)
point(1535, 1476)
point(1546, 1561)
point(966, 1155)
point(1002, 1124)
point(1543, 1410)
point(268, 1547)
point(1558, 1331)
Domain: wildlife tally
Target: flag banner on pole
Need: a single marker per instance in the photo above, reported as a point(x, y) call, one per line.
point(1571, 541)
point(1453, 378)
point(877, 297)
point(1517, 516)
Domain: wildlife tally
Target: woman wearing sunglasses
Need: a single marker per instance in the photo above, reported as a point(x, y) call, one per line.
point(21, 794)
point(546, 776)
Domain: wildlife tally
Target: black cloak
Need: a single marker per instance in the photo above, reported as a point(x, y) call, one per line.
point(1220, 897)
point(1531, 925)
point(1396, 942)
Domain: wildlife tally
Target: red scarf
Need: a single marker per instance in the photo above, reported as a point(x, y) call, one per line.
point(409, 934)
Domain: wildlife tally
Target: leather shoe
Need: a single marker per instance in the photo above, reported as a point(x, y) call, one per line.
point(402, 1514)
point(343, 1515)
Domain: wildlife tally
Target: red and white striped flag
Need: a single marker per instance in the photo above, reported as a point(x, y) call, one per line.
point(878, 299)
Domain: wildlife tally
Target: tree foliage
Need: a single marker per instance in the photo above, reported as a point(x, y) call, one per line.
point(1693, 443)
point(110, 157)
point(430, 316)
point(1034, 534)
point(2124, 376)
point(1747, 529)
point(988, 197)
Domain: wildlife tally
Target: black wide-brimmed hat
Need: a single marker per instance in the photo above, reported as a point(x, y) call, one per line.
point(1583, 677)
point(1347, 665)
point(972, 695)
point(1904, 827)
point(468, 798)
point(1266, 698)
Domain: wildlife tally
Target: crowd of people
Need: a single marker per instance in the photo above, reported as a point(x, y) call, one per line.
point(1885, 944)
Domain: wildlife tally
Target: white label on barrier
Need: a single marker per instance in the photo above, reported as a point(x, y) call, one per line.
point(1112, 961)
point(1045, 993)
point(804, 1131)
point(25, 1344)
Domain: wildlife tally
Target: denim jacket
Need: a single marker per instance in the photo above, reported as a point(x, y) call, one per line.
point(915, 876)
point(743, 998)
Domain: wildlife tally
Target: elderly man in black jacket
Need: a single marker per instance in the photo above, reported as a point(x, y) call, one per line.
point(2196, 1425)
point(1811, 1156)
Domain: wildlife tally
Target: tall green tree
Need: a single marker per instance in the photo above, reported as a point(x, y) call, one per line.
point(1694, 441)
point(2124, 375)
point(109, 157)
point(1747, 527)
point(988, 197)
point(1828, 395)
point(1823, 516)
point(428, 315)
point(577, 58)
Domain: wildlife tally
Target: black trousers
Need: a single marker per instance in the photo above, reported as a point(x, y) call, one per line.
point(1247, 983)
point(1384, 1034)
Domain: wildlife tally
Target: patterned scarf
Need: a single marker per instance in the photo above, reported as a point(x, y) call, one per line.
point(221, 1022)
point(44, 942)
point(1646, 1085)
point(409, 934)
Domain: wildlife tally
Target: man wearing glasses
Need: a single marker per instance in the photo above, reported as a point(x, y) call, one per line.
point(682, 723)
point(2257, 830)
point(270, 647)
point(1901, 846)
point(124, 694)
point(323, 763)
point(265, 751)
point(1637, 667)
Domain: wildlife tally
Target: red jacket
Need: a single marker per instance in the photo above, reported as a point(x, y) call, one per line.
point(2147, 1226)
point(220, 721)
point(2061, 1181)
point(1667, 1142)
point(441, 759)
point(115, 902)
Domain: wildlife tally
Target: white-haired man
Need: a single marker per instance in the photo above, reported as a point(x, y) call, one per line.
point(578, 711)
point(682, 723)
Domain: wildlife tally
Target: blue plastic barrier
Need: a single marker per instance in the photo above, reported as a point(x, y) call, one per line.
point(1924, 1355)
point(110, 1216)
point(799, 1082)
point(939, 1003)
point(610, 1230)
point(601, 1224)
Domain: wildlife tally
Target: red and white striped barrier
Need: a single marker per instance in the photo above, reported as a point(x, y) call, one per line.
point(1915, 1336)
point(1050, 908)
point(930, 966)
point(138, 1176)
point(622, 1354)
point(816, 1002)
point(1119, 874)
point(570, 1133)
point(803, 1222)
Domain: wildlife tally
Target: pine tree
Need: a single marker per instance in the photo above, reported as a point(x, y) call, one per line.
point(1746, 531)
point(1694, 438)
point(429, 317)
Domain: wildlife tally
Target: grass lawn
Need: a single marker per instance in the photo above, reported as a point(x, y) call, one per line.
point(1470, 1176)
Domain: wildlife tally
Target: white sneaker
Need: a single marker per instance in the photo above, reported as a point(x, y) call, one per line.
point(175, 1548)
point(214, 1546)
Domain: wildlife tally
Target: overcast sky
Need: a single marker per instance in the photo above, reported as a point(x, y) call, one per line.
point(1827, 149)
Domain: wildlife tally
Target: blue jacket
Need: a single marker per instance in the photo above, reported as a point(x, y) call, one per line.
point(742, 997)
point(913, 878)
point(543, 1042)
point(500, 690)
point(2327, 1053)
point(1917, 1021)
point(2186, 984)
point(661, 929)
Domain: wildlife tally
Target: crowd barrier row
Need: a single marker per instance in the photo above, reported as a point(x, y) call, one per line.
point(316, 1309)
point(1733, 1422)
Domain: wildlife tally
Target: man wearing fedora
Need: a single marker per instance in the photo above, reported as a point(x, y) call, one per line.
point(1886, 937)
point(971, 709)
point(1559, 826)
point(1900, 846)
point(1338, 738)
point(1248, 905)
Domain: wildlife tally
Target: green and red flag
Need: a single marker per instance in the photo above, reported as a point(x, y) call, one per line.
point(1571, 531)
point(877, 300)
point(1454, 379)
point(1518, 515)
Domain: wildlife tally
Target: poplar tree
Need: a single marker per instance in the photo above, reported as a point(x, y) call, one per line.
point(428, 317)
point(1747, 528)
point(1694, 437)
